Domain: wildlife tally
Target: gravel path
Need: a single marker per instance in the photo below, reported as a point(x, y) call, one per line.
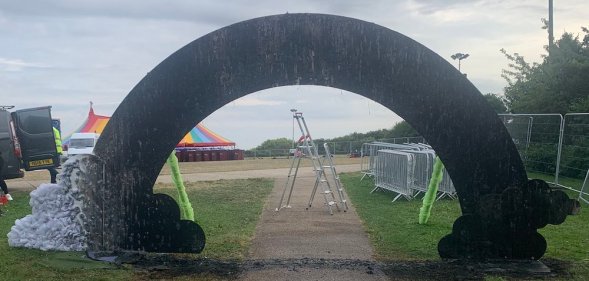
point(296, 234)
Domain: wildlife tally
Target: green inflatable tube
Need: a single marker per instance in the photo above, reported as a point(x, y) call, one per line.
point(432, 190)
point(186, 211)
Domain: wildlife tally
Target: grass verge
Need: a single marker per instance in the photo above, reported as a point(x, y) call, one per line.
point(396, 235)
point(30, 264)
point(227, 210)
point(393, 227)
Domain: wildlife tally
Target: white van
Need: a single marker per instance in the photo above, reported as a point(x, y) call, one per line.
point(82, 143)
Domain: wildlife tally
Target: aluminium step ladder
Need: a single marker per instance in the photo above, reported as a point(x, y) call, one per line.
point(338, 185)
point(308, 149)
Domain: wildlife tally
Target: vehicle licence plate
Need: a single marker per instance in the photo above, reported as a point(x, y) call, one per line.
point(42, 162)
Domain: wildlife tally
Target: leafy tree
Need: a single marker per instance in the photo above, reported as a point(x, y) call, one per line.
point(399, 130)
point(351, 141)
point(496, 102)
point(560, 84)
point(280, 143)
point(402, 129)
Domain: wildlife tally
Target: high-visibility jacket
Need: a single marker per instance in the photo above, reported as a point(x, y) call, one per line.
point(57, 137)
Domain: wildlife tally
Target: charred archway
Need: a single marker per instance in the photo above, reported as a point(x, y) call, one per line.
point(312, 49)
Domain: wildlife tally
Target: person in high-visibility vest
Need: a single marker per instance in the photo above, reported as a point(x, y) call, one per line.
point(57, 137)
point(52, 171)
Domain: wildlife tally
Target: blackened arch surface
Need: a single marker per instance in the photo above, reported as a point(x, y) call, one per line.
point(309, 49)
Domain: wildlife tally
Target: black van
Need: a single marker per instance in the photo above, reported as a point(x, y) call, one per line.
point(26, 140)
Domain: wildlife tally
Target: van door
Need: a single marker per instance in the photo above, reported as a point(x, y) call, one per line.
point(8, 147)
point(35, 132)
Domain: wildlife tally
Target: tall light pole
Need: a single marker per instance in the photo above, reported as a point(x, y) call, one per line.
point(459, 57)
point(550, 26)
point(293, 113)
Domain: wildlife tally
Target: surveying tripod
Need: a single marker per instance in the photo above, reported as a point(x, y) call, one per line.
point(308, 149)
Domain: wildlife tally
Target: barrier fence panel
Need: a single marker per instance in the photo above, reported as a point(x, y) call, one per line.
point(424, 163)
point(355, 147)
point(351, 148)
point(420, 146)
point(268, 153)
point(446, 187)
point(537, 138)
point(551, 144)
point(369, 154)
point(337, 148)
point(574, 159)
point(584, 193)
point(423, 168)
point(365, 159)
point(394, 172)
point(519, 128)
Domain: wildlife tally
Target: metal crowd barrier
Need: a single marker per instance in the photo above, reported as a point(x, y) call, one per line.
point(583, 193)
point(424, 164)
point(369, 151)
point(419, 146)
point(446, 188)
point(404, 169)
point(394, 172)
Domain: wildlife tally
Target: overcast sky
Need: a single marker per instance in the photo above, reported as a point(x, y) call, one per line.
point(66, 53)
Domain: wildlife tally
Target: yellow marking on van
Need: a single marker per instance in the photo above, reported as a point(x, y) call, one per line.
point(42, 162)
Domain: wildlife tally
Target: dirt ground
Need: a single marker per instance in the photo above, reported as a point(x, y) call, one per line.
point(215, 166)
point(168, 267)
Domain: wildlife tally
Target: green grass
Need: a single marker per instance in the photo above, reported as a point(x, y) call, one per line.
point(393, 227)
point(396, 235)
point(570, 240)
point(29, 264)
point(570, 182)
point(227, 210)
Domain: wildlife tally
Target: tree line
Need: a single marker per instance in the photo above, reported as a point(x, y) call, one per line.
point(399, 130)
point(558, 84)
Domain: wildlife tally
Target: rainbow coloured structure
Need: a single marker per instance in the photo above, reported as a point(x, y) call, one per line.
point(93, 124)
point(199, 136)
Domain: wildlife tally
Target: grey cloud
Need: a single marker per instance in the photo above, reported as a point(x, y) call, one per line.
point(100, 49)
point(211, 12)
point(431, 6)
point(8, 64)
point(197, 11)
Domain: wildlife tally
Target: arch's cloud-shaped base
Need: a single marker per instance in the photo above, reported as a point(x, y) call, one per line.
point(310, 49)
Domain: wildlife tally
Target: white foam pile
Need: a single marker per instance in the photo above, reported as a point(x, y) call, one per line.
point(56, 222)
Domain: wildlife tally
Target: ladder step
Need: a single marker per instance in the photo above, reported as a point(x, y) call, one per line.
point(327, 192)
